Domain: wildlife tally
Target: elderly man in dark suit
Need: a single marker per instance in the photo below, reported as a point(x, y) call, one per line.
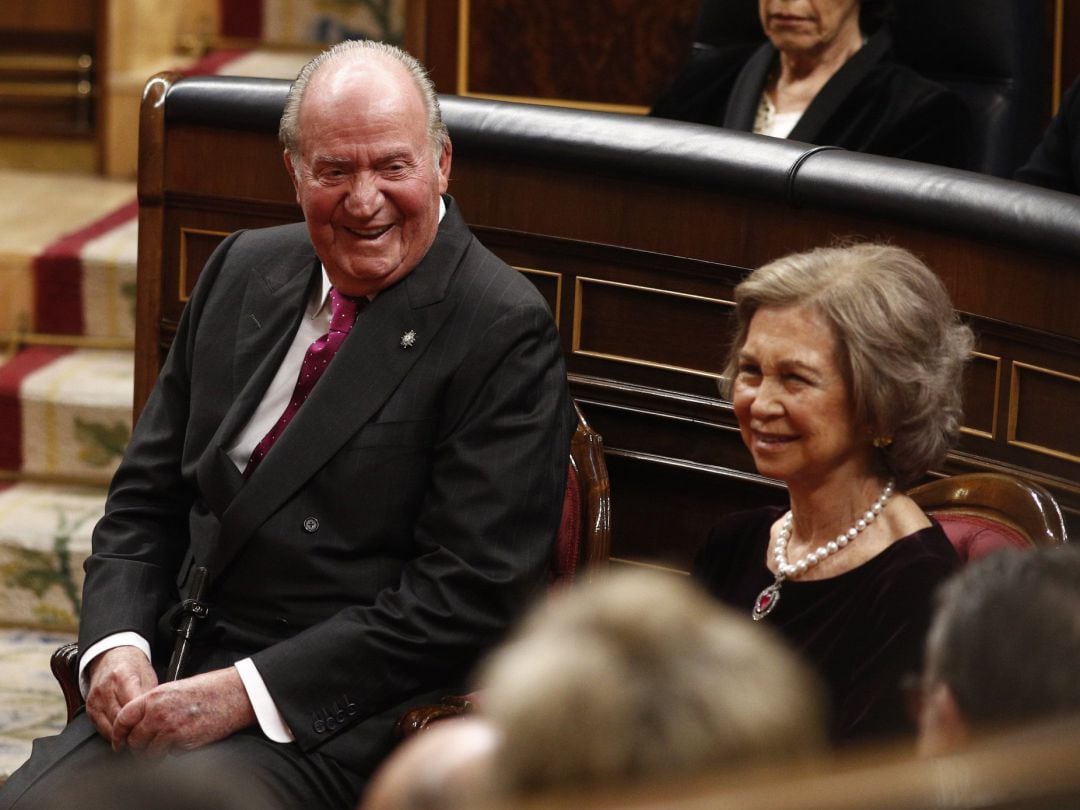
point(361, 433)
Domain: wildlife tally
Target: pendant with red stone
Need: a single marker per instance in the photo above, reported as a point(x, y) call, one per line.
point(766, 601)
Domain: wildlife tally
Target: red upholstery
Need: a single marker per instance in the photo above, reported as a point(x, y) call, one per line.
point(564, 563)
point(974, 537)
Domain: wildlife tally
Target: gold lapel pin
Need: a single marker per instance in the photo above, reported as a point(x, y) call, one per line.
point(408, 340)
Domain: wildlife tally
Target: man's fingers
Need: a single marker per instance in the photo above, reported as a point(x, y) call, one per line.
point(126, 720)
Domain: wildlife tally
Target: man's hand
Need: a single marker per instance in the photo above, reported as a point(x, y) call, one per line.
point(185, 714)
point(117, 677)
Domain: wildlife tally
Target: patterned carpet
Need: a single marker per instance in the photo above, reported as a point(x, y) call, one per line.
point(30, 701)
point(68, 247)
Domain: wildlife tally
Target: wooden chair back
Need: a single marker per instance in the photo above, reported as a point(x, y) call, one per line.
point(982, 512)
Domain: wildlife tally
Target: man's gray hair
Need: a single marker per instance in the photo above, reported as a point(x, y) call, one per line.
point(1005, 637)
point(289, 129)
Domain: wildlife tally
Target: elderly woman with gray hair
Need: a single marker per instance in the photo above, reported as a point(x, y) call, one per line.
point(826, 74)
point(845, 376)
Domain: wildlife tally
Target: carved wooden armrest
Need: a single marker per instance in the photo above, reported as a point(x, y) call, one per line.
point(420, 717)
point(65, 667)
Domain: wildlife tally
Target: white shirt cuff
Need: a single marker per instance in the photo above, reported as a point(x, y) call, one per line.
point(271, 722)
point(127, 638)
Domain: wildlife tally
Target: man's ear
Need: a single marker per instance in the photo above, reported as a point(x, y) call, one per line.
point(292, 173)
point(445, 159)
point(942, 726)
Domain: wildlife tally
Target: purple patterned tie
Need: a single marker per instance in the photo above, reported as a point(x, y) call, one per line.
point(343, 311)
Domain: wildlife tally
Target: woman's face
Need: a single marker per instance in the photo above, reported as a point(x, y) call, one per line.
point(803, 26)
point(793, 405)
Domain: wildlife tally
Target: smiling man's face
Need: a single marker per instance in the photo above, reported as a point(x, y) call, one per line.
point(367, 177)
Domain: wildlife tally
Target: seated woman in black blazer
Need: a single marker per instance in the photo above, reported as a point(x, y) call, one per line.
point(821, 79)
point(845, 377)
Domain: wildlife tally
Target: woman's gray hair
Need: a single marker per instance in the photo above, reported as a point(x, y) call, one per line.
point(289, 129)
point(901, 346)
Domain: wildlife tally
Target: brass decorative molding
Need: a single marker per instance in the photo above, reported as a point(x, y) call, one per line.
point(576, 341)
point(1018, 369)
point(532, 271)
point(182, 276)
point(463, 79)
point(995, 399)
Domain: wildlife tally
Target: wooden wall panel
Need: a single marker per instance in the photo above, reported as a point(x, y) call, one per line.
point(640, 276)
point(601, 54)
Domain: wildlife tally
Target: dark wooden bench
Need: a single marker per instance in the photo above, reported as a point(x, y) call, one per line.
point(636, 231)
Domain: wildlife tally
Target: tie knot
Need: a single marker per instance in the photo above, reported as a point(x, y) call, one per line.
point(343, 309)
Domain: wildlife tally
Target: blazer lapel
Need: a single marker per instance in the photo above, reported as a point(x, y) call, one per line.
point(364, 373)
point(269, 315)
point(839, 87)
point(749, 85)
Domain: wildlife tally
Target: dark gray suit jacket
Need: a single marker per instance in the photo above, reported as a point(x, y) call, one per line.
point(399, 525)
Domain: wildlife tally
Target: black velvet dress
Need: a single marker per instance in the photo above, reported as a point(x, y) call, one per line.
point(863, 630)
point(872, 104)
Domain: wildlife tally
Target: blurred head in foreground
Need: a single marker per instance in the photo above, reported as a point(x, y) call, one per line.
point(640, 676)
point(447, 765)
point(1004, 646)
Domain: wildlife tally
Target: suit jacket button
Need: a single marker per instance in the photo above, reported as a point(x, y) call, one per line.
point(319, 726)
point(331, 724)
point(311, 525)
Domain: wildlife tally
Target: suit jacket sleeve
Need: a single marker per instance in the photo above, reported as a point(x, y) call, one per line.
point(139, 543)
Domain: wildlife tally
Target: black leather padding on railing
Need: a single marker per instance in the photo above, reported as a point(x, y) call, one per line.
point(230, 102)
point(692, 155)
point(947, 200)
point(630, 146)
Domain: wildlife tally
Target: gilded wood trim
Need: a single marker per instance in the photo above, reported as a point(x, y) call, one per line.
point(533, 271)
point(575, 346)
point(181, 291)
point(463, 79)
point(1014, 410)
point(463, 48)
point(996, 399)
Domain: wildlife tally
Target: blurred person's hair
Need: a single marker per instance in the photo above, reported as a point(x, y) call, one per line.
point(639, 675)
point(1005, 638)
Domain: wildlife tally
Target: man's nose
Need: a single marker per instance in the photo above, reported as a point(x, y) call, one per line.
point(364, 195)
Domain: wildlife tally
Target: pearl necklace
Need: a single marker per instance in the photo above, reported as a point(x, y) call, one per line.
point(769, 597)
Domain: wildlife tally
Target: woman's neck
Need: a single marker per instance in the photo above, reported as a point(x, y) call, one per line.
point(823, 511)
point(802, 74)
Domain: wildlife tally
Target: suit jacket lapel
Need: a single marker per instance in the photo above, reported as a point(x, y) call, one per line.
point(749, 85)
point(269, 315)
point(368, 367)
point(839, 87)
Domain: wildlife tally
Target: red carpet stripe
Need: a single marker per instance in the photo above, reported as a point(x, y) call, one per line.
point(58, 275)
point(12, 374)
point(213, 62)
point(57, 270)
